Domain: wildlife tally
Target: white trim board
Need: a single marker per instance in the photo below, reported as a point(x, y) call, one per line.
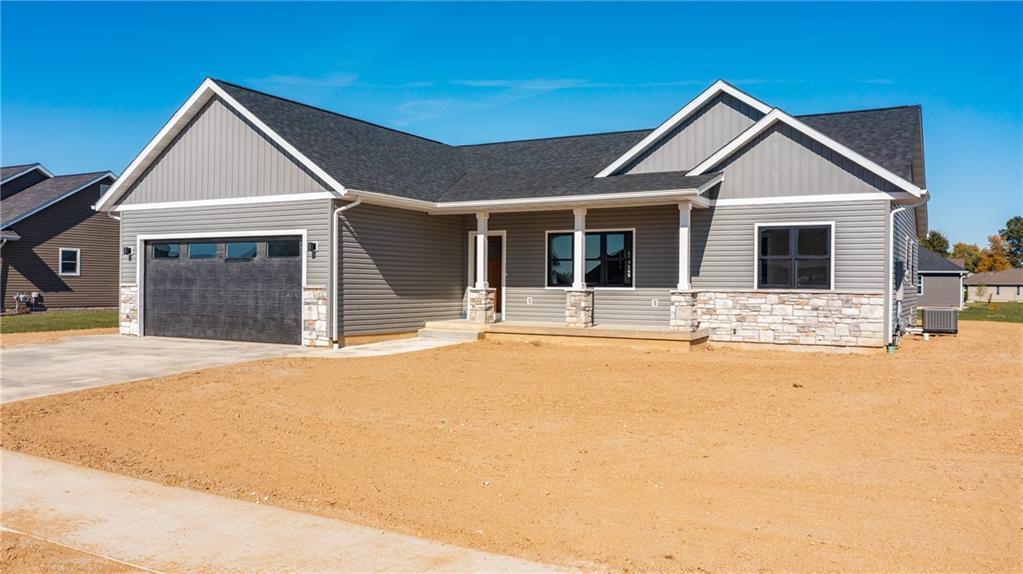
point(39, 208)
point(34, 167)
point(179, 121)
point(60, 262)
point(776, 116)
point(756, 254)
point(226, 201)
point(680, 116)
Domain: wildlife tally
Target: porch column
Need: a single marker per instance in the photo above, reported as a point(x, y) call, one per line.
point(579, 249)
point(480, 297)
point(684, 211)
point(579, 299)
point(481, 249)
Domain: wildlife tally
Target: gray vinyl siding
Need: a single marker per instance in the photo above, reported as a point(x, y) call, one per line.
point(722, 242)
point(941, 291)
point(700, 135)
point(220, 155)
point(399, 269)
point(784, 162)
point(314, 216)
point(656, 264)
point(903, 275)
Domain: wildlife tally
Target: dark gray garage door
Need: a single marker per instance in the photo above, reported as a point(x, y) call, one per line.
point(245, 289)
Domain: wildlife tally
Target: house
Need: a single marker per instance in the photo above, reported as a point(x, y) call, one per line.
point(939, 282)
point(995, 286)
point(54, 244)
point(254, 217)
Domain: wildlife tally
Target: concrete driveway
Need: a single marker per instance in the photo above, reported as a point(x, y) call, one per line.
point(93, 361)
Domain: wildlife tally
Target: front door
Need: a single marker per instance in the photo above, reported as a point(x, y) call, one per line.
point(495, 270)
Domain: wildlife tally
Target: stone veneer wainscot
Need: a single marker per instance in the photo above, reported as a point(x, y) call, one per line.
point(128, 309)
point(314, 317)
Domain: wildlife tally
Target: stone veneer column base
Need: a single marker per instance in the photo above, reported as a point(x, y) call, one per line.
point(314, 317)
point(128, 309)
point(579, 308)
point(793, 317)
point(481, 304)
point(684, 315)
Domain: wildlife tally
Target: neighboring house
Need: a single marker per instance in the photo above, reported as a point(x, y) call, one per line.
point(254, 217)
point(995, 286)
point(54, 243)
point(940, 281)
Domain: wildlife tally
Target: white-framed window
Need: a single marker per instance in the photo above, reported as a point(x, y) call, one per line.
point(70, 264)
point(794, 255)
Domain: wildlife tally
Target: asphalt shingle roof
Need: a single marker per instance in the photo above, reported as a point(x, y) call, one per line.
point(931, 261)
point(1012, 276)
point(370, 157)
point(26, 200)
point(9, 170)
point(885, 136)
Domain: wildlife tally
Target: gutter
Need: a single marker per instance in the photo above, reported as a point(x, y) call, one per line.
point(889, 271)
point(333, 267)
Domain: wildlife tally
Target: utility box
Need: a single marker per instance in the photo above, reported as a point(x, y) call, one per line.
point(941, 321)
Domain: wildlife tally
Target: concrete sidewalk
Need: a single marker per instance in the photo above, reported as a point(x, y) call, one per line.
point(179, 530)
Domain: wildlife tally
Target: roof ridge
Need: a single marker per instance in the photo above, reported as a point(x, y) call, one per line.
point(84, 173)
point(554, 138)
point(20, 165)
point(331, 112)
point(861, 110)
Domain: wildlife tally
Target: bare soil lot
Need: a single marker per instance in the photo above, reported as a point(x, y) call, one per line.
point(634, 460)
point(21, 554)
point(46, 337)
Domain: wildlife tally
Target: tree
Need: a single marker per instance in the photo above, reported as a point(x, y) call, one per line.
point(1013, 236)
point(936, 242)
point(995, 257)
point(969, 253)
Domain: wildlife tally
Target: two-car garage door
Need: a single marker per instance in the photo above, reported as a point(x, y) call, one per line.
point(237, 289)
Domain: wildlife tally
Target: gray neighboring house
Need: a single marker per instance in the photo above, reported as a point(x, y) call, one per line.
point(940, 281)
point(995, 286)
point(254, 217)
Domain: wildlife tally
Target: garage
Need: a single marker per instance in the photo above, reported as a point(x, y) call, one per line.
point(235, 289)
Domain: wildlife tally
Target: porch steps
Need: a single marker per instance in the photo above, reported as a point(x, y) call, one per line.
point(449, 335)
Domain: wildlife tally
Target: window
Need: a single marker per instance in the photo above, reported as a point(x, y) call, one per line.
point(283, 248)
point(608, 260)
point(911, 270)
point(919, 284)
point(70, 262)
point(241, 250)
point(998, 289)
point(166, 250)
point(794, 257)
point(202, 250)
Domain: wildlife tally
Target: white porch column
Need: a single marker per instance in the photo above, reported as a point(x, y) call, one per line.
point(579, 249)
point(481, 249)
point(684, 211)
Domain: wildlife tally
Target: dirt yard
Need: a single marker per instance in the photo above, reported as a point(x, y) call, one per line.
point(21, 554)
point(8, 340)
point(716, 460)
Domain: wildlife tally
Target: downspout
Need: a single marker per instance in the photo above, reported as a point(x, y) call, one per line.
point(890, 271)
point(333, 269)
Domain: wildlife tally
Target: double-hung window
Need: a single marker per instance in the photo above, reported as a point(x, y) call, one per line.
point(70, 262)
point(608, 259)
point(794, 257)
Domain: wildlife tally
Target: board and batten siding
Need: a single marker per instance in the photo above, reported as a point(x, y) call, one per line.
point(696, 138)
point(784, 162)
point(903, 252)
point(220, 155)
point(656, 265)
point(399, 269)
point(723, 242)
point(311, 215)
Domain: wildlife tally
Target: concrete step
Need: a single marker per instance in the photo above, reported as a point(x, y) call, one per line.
point(453, 325)
point(449, 334)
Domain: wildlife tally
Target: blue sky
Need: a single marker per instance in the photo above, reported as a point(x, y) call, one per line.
point(84, 86)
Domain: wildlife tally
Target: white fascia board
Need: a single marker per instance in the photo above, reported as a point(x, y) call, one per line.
point(817, 198)
point(58, 199)
point(777, 115)
point(34, 167)
point(227, 201)
point(680, 116)
point(206, 91)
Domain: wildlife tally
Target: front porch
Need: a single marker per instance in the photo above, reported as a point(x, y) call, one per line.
point(644, 335)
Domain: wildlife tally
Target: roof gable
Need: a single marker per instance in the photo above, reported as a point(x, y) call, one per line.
point(12, 172)
point(886, 136)
point(46, 193)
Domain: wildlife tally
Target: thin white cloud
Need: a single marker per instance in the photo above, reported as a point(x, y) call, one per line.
point(313, 89)
point(533, 85)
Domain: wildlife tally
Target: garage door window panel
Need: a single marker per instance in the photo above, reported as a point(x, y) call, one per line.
point(166, 250)
point(202, 250)
point(283, 248)
point(241, 250)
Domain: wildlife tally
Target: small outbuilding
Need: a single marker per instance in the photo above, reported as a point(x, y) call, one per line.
point(940, 281)
point(995, 286)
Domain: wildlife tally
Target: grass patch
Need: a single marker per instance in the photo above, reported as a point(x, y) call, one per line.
point(59, 321)
point(1004, 312)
